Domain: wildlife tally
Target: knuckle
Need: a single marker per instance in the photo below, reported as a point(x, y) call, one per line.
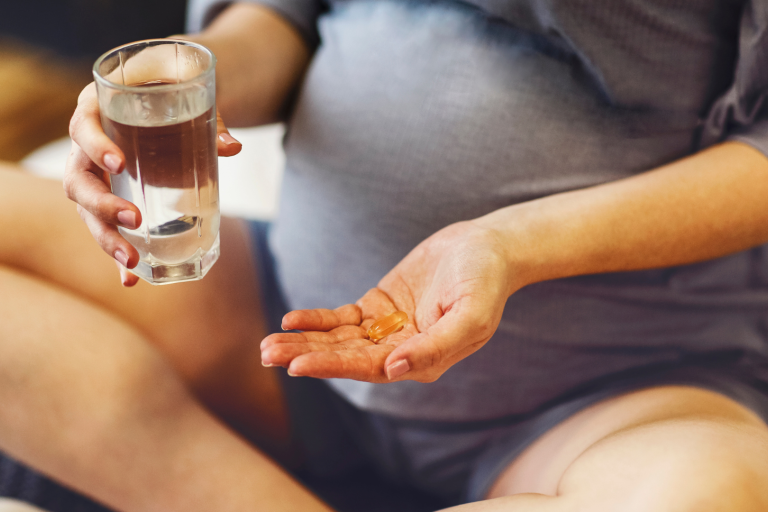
point(428, 378)
point(75, 123)
point(434, 354)
point(485, 329)
point(69, 185)
point(101, 237)
point(87, 94)
point(485, 326)
point(101, 205)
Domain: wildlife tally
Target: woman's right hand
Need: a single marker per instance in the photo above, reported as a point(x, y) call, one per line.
point(93, 158)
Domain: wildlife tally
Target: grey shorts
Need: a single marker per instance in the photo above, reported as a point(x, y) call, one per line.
point(458, 462)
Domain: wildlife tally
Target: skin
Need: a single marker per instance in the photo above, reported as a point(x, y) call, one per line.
point(110, 417)
point(152, 383)
point(435, 286)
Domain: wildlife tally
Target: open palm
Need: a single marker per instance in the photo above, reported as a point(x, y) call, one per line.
point(453, 286)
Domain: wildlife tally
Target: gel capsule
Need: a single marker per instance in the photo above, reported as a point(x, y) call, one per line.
point(388, 325)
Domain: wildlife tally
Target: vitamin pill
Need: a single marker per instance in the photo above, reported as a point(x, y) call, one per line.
point(390, 324)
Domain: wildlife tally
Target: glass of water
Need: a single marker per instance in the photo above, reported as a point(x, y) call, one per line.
point(157, 102)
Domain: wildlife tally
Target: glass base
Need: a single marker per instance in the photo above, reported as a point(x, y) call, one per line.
point(193, 269)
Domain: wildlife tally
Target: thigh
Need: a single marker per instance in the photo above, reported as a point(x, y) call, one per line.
point(208, 330)
point(671, 448)
point(87, 400)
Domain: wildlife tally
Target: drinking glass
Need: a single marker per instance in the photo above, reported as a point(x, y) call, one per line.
point(157, 102)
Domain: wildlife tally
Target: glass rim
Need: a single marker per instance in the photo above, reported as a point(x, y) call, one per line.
point(101, 80)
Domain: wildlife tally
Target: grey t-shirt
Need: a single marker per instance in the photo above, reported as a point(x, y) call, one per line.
point(417, 114)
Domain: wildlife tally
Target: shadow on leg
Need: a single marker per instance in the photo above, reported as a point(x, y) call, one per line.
point(208, 330)
point(88, 400)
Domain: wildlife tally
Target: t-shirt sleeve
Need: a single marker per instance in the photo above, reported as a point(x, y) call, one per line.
point(302, 14)
point(741, 113)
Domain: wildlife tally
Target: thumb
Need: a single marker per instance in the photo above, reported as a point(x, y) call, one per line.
point(227, 144)
point(427, 355)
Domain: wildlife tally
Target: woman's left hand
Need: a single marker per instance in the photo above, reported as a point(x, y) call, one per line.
point(453, 286)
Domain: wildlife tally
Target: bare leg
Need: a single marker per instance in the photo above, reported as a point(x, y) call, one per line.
point(666, 449)
point(87, 400)
point(209, 330)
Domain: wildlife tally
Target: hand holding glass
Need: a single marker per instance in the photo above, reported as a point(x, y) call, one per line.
point(157, 103)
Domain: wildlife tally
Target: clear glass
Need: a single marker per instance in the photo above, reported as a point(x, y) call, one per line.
point(157, 102)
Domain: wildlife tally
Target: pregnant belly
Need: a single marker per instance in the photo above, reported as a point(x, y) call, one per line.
point(412, 117)
point(433, 105)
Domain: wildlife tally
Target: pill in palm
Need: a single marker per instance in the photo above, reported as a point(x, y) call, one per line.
point(390, 324)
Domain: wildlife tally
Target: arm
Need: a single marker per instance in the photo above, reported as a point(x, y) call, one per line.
point(454, 284)
point(261, 60)
point(702, 207)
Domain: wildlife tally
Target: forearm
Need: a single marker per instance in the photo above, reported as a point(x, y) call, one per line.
point(702, 207)
point(261, 59)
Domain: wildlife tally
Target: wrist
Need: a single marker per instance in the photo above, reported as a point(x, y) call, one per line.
point(511, 228)
point(533, 242)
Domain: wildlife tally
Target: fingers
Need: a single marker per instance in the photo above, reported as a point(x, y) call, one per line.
point(86, 131)
point(283, 354)
point(227, 144)
point(84, 184)
point(101, 210)
point(375, 304)
point(280, 349)
point(322, 319)
point(343, 333)
point(109, 239)
point(92, 158)
point(365, 363)
point(354, 357)
point(126, 277)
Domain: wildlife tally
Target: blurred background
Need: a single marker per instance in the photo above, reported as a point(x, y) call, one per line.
point(47, 48)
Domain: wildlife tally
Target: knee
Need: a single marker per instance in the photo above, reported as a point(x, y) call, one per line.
point(688, 465)
point(727, 474)
point(733, 472)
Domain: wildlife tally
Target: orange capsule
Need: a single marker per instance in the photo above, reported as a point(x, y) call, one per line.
point(390, 324)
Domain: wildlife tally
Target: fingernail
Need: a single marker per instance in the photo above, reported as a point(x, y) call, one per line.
point(228, 139)
point(112, 162)
point(127, 218)
point(291, 374)
point(397, 369)
point(266, 365)
point(122, 258)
